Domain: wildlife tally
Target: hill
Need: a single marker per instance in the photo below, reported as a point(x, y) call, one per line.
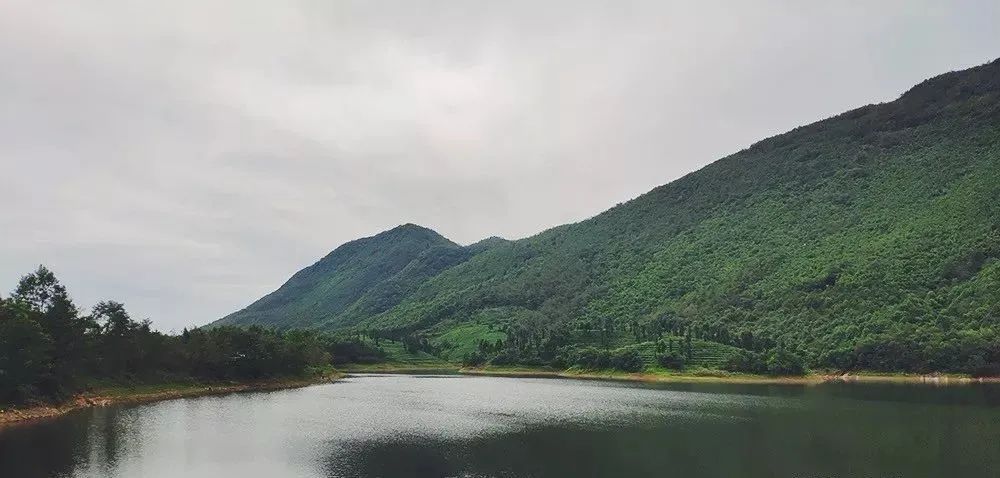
point(869, 240)
point(359, 278)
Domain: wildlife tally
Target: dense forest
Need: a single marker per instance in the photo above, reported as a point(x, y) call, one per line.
point(866, 241)
point(50, 350)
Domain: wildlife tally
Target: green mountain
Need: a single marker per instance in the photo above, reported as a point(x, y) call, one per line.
point(867, 240)
point(363, 277)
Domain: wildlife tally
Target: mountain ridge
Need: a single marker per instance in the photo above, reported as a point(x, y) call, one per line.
point(851, 240)
point(405, 243)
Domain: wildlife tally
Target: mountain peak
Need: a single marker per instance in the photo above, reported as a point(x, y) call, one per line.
point(488, 243)
point(411, 227)
point(323, 290)
point(410, 231)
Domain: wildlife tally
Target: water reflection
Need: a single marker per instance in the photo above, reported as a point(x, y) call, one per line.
point(480, 426)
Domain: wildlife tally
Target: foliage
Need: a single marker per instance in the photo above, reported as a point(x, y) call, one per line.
point(671, 360)
point(746, 361)
point(625, 358)
point(354, 351)
point(783, 362)
point(48, 350)
point(357, 279)
point(467, 339)
point(474, 359)
point(25, 355)
point(870, 240)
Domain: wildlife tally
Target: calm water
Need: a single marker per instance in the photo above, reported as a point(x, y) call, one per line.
point(478, 426)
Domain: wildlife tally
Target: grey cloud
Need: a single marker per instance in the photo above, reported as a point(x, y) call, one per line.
point(186, 157)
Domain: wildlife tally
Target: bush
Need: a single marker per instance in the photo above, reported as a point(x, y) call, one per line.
point(592, 358)
point(626, 359)
point(980, 366)
point(745, 361)
point(506, 357)
point(353, 351)
point(516, 357)
point(474, 359)
point(672, 360)
point(783, 362)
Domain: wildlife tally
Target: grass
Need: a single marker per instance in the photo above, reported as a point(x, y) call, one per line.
point(463, 339)
point(704, 354)
point(397, 354)
point(659, 374)
point(648, 375)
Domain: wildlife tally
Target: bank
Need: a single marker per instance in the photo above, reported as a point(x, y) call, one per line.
point(144, 393)
point(667, 376)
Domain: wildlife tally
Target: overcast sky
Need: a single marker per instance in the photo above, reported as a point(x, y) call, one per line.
point(186, 157)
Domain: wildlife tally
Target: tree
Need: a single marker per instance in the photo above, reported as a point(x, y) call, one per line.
point(781, 361)
point(46, 300)
point(120, 351)
point(25, 355)
point(47, 351)
point(607, 331)
point(746, 361)
point(39, 291)
point(671, 360)
point(627, 359)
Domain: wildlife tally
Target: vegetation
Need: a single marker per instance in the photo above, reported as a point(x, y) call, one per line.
point(626, 359)
point(358, 279)
point(867, 241)
point(49, 350)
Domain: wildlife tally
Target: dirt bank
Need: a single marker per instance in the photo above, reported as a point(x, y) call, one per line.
point(150, 393)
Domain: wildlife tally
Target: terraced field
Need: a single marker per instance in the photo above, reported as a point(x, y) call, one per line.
point(704, 354)
point(461, 340)
point(397, 354)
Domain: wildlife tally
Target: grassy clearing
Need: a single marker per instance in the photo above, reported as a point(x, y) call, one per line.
point(396, 354)
point(704, 354)
point(463, 339)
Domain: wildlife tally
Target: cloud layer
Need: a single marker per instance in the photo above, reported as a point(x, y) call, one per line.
point(187, 156)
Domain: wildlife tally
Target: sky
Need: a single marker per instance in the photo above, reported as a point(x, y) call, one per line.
point(186, 157)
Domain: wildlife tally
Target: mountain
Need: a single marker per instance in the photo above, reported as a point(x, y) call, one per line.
point(359, 278)
point(867, 240)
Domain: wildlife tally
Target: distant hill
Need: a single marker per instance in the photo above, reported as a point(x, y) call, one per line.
point(867, 240)
point(363, 277)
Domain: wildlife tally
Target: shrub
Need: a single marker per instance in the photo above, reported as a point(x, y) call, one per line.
point(627, 359)
point(745, 361)
point(672, 360)
point(783, 362)
point(474, 359)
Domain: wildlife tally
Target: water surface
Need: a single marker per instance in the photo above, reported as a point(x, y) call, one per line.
point(484, 426)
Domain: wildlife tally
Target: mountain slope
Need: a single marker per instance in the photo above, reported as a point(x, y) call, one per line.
point(322, 291)
point(867, 240)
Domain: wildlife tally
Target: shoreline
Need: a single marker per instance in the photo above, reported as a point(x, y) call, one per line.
point(136, 394)
point(675, 377)
point(103, 397)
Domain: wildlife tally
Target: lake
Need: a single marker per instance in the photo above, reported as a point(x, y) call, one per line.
point(398, 425)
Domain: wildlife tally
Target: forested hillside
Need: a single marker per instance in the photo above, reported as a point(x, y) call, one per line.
point(363, 277)
point(869, 240)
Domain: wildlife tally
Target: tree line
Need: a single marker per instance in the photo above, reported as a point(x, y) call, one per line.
point(50, 349)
